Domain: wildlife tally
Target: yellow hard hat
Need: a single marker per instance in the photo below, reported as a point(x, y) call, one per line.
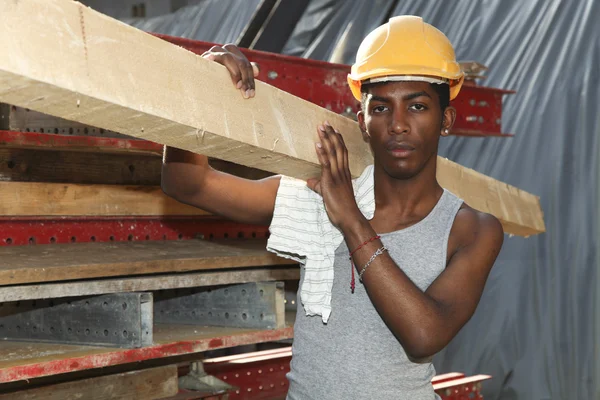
point(406, 48)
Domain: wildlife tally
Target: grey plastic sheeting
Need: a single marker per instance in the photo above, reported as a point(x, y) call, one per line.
point(218, 21)
point(536, 328)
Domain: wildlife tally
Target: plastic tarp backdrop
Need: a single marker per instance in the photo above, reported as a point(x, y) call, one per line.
point(536, 329)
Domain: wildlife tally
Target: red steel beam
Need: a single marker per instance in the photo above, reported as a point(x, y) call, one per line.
point(48, 141)
point(50, 230)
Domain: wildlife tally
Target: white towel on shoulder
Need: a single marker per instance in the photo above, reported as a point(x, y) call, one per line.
point(302, 231)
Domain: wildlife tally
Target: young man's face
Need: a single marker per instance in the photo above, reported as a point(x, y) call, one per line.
point(402, 122)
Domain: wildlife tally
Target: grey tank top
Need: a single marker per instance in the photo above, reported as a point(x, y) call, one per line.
point(354, 355)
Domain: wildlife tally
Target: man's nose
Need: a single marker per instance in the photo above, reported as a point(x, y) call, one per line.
point(399, 123)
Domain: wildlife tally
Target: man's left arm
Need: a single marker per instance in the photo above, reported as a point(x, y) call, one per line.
point(425, 322)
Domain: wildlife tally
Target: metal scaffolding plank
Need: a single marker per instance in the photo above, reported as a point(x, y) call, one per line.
point(122, 320)
point(250, 305)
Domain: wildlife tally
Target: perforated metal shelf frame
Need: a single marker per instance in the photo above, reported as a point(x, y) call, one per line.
point(115, 320)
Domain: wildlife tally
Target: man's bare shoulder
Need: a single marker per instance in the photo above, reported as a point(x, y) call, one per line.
point(475, 228)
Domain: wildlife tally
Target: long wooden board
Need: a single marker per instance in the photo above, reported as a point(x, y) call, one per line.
point(27, 165)
point(121, 79)
point(61, 262)
point(147, 384)
point(57, 199)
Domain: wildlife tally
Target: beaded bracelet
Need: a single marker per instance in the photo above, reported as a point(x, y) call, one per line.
point(352, 282)
point(373, 257)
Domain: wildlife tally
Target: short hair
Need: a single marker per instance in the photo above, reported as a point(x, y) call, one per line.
point(442, 90)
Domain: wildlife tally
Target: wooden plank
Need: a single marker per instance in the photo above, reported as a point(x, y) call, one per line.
point(122, 79)
point(58, 199)
point(180, 99)
point(143, 283)
point(52, 166)
point(20, 361)
point(519, 212)
point(25, 120)
point(25, 165)
point(61, 262)
point(146, 384)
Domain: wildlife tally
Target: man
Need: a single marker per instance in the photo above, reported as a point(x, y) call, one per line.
point(414, 259)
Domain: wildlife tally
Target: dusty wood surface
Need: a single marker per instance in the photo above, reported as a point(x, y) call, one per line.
point(24, 165)
point(143, 283)
point(18, 358)
point(147, 384)
point(65, 199)
point(122, 79)
point(115, 78)
point(61, 262)
point(519, 212)
point(29, 165)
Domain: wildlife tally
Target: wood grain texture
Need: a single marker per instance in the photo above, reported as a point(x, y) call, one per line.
point(146, 283)
point(60, 166)
point(146, 384)
point(121, 79)
point(58, 199)
point(62, 262)
point(26, 165)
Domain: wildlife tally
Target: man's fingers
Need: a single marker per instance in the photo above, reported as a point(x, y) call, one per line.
point(340, 150)
point(223, 57)
point(242, 72)
point(314, 184)
point(245, 69)
point(345, 163)
point(255, 69)
point(209, 56)
point(328, 150)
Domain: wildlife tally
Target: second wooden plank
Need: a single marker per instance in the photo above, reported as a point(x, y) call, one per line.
point(148, 384)
point(58, 262)
point(58, 199)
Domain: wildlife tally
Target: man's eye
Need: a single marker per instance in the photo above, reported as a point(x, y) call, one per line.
point(379, 109)
point(418, 107)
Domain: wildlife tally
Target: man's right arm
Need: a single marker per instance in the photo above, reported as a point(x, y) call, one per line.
point(188, 178)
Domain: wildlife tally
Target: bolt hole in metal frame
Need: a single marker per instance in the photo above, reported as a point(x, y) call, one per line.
point(250, 305)
point(30, 231)
point(122, 320)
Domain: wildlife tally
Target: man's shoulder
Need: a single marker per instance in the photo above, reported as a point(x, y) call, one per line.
point(475, 228)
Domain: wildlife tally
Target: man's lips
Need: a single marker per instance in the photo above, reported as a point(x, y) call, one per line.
point(400, 149)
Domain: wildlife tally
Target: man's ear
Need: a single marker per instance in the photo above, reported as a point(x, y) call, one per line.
point(448, 120)
point(360, 116)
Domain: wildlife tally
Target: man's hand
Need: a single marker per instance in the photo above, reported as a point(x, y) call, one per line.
point(187, 176)
point(335, 183)
point(241, 70)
